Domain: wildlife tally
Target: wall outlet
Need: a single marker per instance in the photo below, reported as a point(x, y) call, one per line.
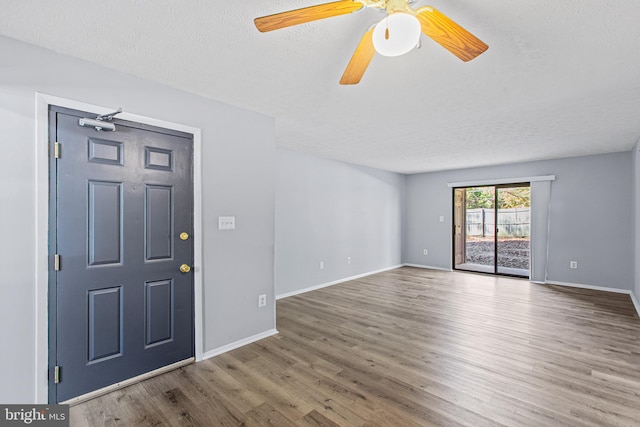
point(262, 300)
point(441, 218)
point(348, 260)
point(321, 265)
point(573, 264)
point(425, 252)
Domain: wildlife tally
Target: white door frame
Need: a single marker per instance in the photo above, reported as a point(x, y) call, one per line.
point(42, 224)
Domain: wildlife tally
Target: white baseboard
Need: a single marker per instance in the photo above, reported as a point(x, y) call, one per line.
point(429, 267)
point(335, 282)
point(599, 288)
point(635, 303)
point(593, 287)
point(237, 344)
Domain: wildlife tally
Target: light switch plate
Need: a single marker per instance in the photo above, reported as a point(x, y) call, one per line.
point(226, 223)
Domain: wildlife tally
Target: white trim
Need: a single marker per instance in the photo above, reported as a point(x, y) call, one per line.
point(592, 287)
point(428, 267)
point(597, 288)
point(127, 382)
point(42, 102)
point(42, 249)
point(501, 181)
point(335, 282)
point(635, 302)
point(240, 343)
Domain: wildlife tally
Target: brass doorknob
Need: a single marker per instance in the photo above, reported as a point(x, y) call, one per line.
point(184, 268)
point(184, 236)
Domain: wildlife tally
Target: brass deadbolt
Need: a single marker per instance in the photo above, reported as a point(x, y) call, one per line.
point(184, 236)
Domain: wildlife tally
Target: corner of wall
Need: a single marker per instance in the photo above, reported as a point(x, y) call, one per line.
point(636, 223)
point(334, 221)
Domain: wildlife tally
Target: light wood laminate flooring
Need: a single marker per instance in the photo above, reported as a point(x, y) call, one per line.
point(410, 347)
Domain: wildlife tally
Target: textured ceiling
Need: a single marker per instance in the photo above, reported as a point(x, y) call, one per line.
point(560, 78)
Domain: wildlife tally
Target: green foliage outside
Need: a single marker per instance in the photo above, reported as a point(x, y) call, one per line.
point(484, 197)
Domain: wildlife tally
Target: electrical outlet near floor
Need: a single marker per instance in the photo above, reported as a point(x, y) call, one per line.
point(573, 264)
point(262, 300)
point(321, 265)
point(425, 252)
point(348, 260)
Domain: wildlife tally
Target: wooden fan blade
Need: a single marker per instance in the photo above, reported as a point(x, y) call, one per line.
point(306, 14)
point(450, 35)
point(360, 60)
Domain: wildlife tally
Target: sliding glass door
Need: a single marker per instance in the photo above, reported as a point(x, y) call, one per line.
point(475, 244)
point(492, 229)
point(513, 230)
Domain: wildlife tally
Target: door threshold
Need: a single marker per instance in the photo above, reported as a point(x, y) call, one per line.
point(489, 269)
point(126, 383)
point(491, 273)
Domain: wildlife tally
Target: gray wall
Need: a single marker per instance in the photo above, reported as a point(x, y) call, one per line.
point(238, 158)
point(591, 217)
point(328, 211)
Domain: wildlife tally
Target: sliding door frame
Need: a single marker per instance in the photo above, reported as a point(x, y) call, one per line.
point(496, 188)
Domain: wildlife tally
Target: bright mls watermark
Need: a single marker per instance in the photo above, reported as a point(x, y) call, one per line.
point(34, 415)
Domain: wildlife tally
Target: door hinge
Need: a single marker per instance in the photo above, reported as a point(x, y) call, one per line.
point(56, 262)
point(56, 150)
point(56, 374)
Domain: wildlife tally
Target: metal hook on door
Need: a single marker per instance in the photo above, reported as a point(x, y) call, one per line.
point(109, 116)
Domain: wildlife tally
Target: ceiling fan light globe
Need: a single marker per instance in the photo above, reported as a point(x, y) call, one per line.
point(404, 34)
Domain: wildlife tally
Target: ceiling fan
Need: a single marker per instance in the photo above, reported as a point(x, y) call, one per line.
point(394, 35)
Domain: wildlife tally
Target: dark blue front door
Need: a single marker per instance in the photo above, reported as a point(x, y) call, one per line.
point(121, 204)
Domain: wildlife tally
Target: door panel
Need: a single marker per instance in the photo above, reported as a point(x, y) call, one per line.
point(475, 219)
point(107, 152)
point(122, 307)
point(512, 230)
point(158, 205)
point(105, 222)
point(159, 312)
point(157, 158)
point(105, 323)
